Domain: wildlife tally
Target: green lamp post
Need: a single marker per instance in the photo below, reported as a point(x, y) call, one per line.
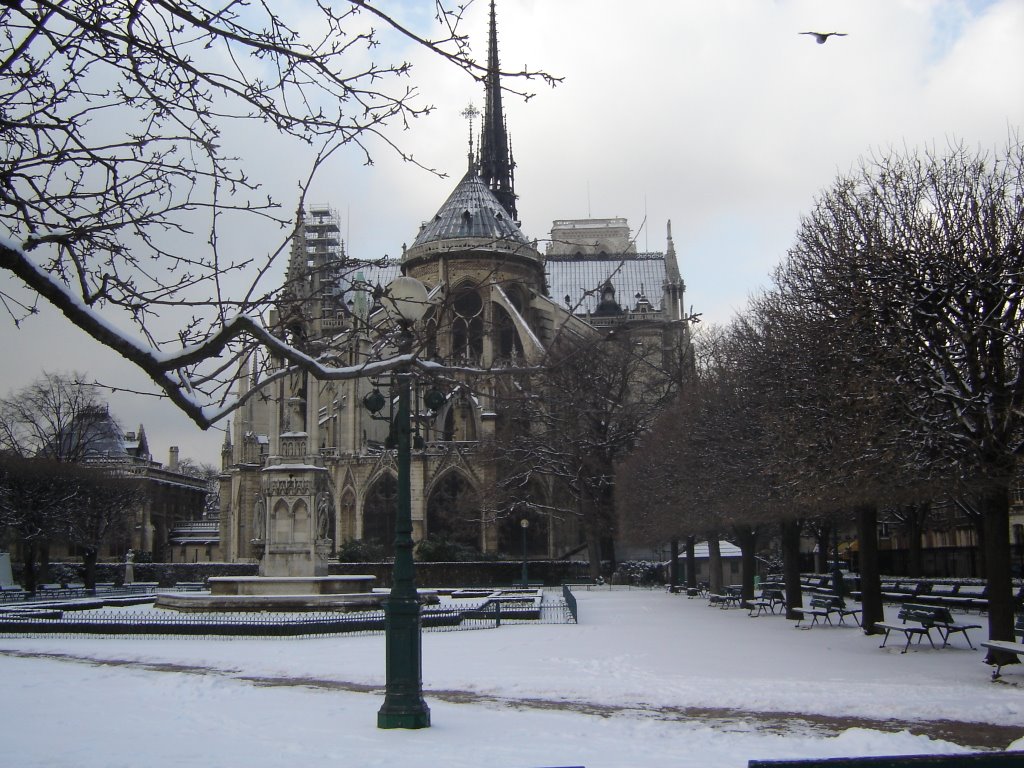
point(405, 300)
point(525, 524)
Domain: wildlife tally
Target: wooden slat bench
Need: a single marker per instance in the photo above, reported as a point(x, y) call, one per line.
point(968, 760)
point(723, 601)
point(769, 599)
point(1008, 646)
point(821, 607)
point(925, 618)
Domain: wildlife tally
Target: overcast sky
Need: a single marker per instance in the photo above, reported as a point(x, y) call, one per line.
point(716, 115)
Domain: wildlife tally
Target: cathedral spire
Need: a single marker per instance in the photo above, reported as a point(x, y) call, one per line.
point(297, 258)
point(495, 159)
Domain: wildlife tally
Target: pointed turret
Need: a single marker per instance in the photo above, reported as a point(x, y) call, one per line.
point(496, 164)
point(673, 289)
point(297, 267)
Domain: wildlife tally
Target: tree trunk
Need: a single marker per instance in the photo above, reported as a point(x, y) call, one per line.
point(592, 536)
point(43, 574)
point(29, 576)
point(714, 564)
point(593, 552)
point(746, 535)
point(673, 564)
point(89, 558)
point(691, 562)
point(822, 535)
point(915, 546)
point(981, 562)
point(789, 531)
point(872, 609)
point(995, 506)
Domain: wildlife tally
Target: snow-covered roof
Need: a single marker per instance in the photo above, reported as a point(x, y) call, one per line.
point(700, 549)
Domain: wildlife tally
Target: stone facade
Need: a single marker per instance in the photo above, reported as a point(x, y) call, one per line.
point(495, 302)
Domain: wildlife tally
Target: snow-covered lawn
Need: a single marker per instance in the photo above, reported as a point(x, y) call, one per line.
point(645, 679)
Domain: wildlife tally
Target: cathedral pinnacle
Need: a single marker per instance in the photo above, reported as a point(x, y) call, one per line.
point(496, 166)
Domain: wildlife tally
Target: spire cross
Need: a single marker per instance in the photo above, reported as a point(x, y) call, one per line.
point(470, 112)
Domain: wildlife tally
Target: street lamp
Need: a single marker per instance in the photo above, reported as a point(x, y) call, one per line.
point(524, 523)
point(405, 301)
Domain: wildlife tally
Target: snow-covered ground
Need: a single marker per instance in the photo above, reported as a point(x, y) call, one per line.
point(645, 679)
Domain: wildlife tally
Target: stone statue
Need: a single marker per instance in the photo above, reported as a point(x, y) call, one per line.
point(129, 567)
point(324, 509)
point(259, 519)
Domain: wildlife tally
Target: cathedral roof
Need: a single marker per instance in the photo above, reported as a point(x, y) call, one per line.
point(635, 276)
point(471, 211)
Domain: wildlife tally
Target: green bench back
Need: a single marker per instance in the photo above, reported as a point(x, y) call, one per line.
point(926, 614)
point(970, 760)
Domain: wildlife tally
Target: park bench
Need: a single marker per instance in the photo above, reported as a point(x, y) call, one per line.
point(769, 599)
point(816, 583)
point(939, 594)
point(821, 607)
point(731, 596)
point(970, 597)
point(926, 617)
point(903, 591)
point(824, 606)
point(12, 594)
point(967, 760)
point(1006, 645)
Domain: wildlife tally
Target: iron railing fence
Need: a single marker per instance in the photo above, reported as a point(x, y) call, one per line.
point(115, 623)
point(570, 602)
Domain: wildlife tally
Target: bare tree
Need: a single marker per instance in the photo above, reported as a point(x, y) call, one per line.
point(118, 179)
point(923, 252)
point(103, 499)
point(35, 498)
point(579, 417)
point(58, 417)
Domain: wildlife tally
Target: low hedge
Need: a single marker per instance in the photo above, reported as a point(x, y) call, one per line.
point(485, 573)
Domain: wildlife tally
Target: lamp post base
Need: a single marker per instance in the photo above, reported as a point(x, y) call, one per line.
point(403, 705)
point(404, 717)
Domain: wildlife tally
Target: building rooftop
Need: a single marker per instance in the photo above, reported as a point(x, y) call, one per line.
point(581, 280)
point(471, 211)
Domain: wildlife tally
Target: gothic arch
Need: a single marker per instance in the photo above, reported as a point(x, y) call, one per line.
point(453, 509)
point(300, 522)
point(508, 343)
point(347, 516)
point(459, 417)
point(280, 522)
point(379, 512)
point(467, 334)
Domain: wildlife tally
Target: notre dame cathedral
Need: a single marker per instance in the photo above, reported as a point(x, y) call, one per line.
point(305, 447)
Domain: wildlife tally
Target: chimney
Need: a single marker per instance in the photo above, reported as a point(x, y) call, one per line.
point(173, 462)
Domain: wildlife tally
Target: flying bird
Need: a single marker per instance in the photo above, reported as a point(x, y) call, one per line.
point(821, 37)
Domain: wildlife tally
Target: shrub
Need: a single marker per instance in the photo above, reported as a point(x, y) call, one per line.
point(358, 551)
point(438, 549)
point(638, 572)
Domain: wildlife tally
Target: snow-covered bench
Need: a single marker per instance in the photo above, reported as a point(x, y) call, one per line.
point(968, 760)
point(768, 600)
point(1007, 646)
point(925, 618)
point(822, 607)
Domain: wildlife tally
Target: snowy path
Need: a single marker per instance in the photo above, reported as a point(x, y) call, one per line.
point(644, 678)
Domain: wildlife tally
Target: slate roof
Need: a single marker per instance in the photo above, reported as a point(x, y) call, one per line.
point(471, 211)
point(582, 278)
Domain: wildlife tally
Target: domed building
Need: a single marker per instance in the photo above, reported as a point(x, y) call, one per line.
point(499, 309)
